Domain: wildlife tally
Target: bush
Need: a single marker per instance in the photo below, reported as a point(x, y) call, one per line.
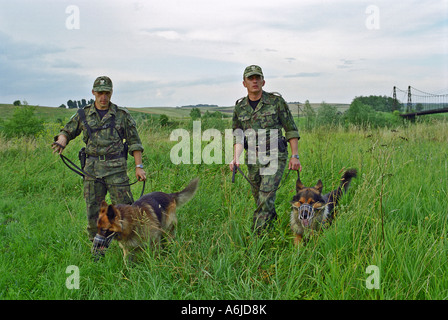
point(23, 123)
point(310, 115)
point(378, 103)
point(360, 114)
point(195, 114)
point(163, 120)
point(328, 115)
point(365, 116)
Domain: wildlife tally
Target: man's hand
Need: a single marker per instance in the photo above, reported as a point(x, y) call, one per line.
point(294, 164)
point(59, 145)
point(140, 174)
point(237, 150)
point(233, 164)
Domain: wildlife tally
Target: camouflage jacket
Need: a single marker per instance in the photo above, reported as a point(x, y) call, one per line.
point(106, 141)
point(272, 112)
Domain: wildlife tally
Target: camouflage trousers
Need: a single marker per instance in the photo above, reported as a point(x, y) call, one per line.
point(264, 192)
point(95, 192)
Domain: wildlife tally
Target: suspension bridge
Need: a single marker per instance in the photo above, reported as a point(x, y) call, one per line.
point(419, 102)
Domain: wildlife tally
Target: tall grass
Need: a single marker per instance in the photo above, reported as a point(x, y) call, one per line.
point(393, 217)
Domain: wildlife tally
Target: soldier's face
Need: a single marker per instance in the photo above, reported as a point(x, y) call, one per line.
point(254, 84)
point(102, 99)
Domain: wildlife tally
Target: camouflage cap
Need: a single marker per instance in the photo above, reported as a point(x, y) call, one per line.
point(102, 83)
point(252, 70)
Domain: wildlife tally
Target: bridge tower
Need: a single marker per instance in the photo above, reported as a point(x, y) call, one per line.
point(409, 106)
point(395, 98)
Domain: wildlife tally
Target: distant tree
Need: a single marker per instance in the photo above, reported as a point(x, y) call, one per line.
point(23, 123)
point(163, 120)
point(207, 114)
point(310, 115)
point(70, 104)
point(195, 113)
point(63, 106)
point(217, 115)
point(327, 114)
point(360, 114)
point(78, 104)
point(378, 103)
point(17, 103)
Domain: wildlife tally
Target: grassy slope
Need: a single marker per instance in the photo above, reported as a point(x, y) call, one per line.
point(394, 217)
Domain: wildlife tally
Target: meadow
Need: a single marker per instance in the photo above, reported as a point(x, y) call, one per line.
point(393, 218)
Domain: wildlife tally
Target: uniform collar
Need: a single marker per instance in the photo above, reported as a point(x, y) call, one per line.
point(263, 100)
point(112, 110)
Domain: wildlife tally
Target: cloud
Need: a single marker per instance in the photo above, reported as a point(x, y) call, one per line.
point(304, 75)
point(179, 52)
point(163, 34)
point(14, 50)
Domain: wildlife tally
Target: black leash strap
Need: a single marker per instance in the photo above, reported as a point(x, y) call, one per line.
point(235, 168)
point(69, 163)
point(234, 172)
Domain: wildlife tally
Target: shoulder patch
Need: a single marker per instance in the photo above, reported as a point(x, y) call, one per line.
point(74, 115)
point(239, 100)
point(276, 94)
point(123, 109)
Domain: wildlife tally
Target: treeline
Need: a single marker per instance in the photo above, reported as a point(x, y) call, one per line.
point(378, 103)
point(372, 111)
point(76, 104)
point(201, 106)
point(195, 114)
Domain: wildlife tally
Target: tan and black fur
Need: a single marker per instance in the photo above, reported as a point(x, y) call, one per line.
point(312, 210)
point(146, 221)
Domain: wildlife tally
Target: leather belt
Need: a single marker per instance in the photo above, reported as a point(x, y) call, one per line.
point(106, 156)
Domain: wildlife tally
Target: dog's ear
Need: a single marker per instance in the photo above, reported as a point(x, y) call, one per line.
point(104, 204)
point(319, 186)
point(299, 186)
point(111, 213)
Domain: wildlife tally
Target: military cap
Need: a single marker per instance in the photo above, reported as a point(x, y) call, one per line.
point(252, 70)
point(102, 83)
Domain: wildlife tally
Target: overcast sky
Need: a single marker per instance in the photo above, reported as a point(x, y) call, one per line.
point(174, 53)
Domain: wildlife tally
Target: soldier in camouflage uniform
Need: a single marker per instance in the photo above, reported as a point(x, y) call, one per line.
point(263, 110)
point(105, 127)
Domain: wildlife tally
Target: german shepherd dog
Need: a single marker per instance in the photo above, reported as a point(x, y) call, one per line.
point(143, 223)
point(312, 210)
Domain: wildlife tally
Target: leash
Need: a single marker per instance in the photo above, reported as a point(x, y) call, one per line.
point(72, 166)
point(235, 168)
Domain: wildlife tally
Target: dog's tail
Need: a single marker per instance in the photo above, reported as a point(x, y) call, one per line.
point(347, 178)
point(335, 195)
point(187, 194)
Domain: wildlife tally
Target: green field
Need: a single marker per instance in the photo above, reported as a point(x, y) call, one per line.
point(394, 217)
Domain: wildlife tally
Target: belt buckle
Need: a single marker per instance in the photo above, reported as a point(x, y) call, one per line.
point(102, 158)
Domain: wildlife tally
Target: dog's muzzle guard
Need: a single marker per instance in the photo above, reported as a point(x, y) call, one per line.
point(306, 214)
point(101, 243)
